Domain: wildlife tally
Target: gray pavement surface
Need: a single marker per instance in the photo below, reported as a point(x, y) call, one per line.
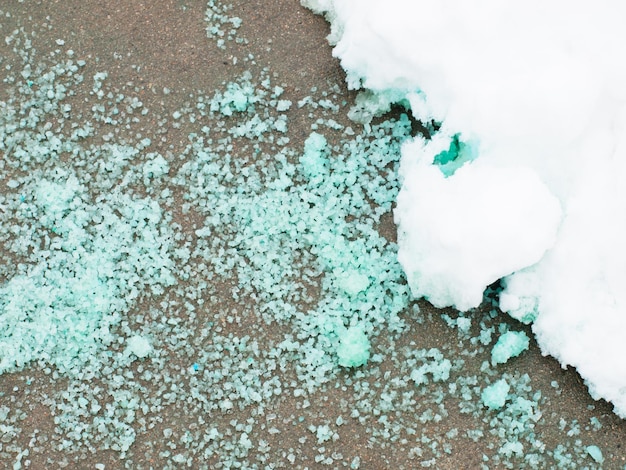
point(152, 45)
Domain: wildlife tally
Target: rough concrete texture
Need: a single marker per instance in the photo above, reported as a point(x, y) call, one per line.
point(163, 44)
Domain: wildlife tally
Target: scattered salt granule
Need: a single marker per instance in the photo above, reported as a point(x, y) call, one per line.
point(510, 344)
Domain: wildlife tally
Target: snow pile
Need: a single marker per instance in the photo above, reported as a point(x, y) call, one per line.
point(535, 92)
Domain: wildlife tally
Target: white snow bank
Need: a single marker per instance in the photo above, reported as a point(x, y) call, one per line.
point(459, 234)
point(539, 89)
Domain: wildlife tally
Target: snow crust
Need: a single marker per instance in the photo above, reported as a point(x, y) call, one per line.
point(538, 89)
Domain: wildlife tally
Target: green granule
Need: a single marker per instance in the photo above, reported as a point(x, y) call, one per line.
point(354, 347)
point(494, 396)
point(510, 344)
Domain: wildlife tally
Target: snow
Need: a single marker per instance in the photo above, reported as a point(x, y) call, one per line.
point(537, 90)
point(462, 233)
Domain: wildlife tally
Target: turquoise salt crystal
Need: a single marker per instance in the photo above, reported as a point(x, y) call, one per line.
point(139, 346)
point(494, 396)
point(351, 282)
point(510, 344)
point(595, 453)
point(238, 99)
point(313, 161)
point(435, 367)
point(354, 347)
point(156, 167)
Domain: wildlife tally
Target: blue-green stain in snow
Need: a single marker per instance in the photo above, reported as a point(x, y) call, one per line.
point(457, 155)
